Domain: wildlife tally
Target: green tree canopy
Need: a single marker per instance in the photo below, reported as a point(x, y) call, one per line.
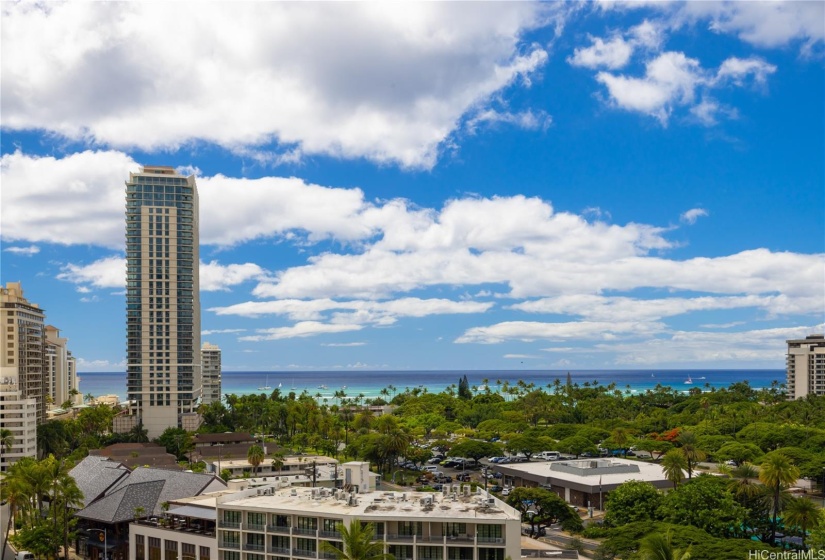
point(632, 501)
point(705, 502)
point(541, 508)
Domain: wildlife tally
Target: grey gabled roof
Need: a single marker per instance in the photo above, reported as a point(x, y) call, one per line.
point(95, 475)
point(148, 488)
point(120, 505)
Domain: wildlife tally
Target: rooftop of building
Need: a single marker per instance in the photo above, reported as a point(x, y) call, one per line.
point(145, 488)
point(453, 502)
point(604, 471)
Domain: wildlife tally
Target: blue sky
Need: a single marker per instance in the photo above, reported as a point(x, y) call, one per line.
point(431, 185)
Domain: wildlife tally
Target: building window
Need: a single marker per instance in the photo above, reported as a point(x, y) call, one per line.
point(231, 555)
point(490, 532)
point(140, 547)
point(455, 529)
point(187, 551)
point(490, 554)
point(256, 521)
point(204, 552)
point(154, 548)
point(459, 553)
point(410, 528)
point(401, 551)
point(307, 524)
point(171, 549)
point(331, 525)
point(306, 545)
point(429, 553)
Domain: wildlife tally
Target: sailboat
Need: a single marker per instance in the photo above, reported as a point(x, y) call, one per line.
point(265, 387)
point(689, 381)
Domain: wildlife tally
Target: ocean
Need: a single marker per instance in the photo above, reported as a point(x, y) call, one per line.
point(370, 383)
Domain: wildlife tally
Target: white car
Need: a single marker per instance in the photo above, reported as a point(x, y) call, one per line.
point(506, 491)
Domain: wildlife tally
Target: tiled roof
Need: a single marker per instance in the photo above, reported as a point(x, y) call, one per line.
point(94, 475)
point(147, 488)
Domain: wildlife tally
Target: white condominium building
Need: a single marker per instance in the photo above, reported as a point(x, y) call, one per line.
point(19, 416)
point(805, 365)
point(211, 361)
point(60, 382)
point(288, 523)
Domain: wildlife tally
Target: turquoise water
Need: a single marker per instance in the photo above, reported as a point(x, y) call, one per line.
point(370, 383)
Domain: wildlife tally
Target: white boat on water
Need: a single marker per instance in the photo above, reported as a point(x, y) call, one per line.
point(689, 381)
point(265, 387)
point(322, 386)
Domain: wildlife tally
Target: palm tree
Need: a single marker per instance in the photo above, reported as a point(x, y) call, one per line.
point(15, 491)
point(690, 451)
point(803, 513)
point(777, 471)
point(742, 479)
point(255, 456)
point(674, 466)
point(277, 462)
point(657, 546)
point(6, 440)
point(358, 543)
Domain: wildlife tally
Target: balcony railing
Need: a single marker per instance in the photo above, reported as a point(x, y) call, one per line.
point(279, 550)
point(225, 544)
point(397, 537)
point(303, 553)
point(254, 527)
point(461, 538)
point(254, 546)
point(491, 540)
point(229, 524)
point(304, 531)
point(330, 534)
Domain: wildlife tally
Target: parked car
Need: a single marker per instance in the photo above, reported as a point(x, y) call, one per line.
point(463, 477)
point(731, 463)
point(444, 479)
point(496, 459)
point(506, 491)
point(496, 488)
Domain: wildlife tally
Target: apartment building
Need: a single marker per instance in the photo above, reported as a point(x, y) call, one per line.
point(281, 522)
point(18, 415)
point(24, 344)
point(211, 367)
point(805, 366)
point(60, 382)
point(163, 359)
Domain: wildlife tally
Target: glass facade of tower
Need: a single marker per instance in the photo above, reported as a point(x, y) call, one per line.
point(162, 296)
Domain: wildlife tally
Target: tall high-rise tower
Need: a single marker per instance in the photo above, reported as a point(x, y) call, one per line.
point(162, 298)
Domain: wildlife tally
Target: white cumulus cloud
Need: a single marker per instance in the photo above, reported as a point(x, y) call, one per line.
point(692, 215)
point(388, 82)
point(299, 330)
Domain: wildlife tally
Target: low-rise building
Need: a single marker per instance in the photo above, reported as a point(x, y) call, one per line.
point(281, 522)
point(320, 465)
point(583, 482)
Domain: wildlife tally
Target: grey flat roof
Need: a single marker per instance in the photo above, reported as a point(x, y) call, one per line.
point(194, 511)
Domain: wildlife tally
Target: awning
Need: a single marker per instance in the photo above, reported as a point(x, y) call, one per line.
point(194, 511)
